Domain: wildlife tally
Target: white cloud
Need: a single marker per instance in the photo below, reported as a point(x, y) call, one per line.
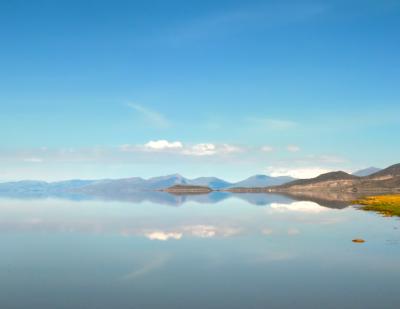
point(201, 150)
point(177, 147)
point(156, 146)
point(163, 145)
point(208, 149)
point(303, 172)
point(293, 148)
point(152, 117)
point(163, 236)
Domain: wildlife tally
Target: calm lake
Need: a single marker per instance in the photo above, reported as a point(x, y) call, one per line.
point(164, 251)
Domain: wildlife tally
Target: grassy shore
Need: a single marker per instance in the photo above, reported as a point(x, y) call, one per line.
point(388, 205)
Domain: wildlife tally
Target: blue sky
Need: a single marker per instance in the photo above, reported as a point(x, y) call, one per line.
point(94, 89)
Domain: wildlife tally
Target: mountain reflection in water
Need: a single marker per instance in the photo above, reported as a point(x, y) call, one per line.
point(331, 200)
point(215, 251)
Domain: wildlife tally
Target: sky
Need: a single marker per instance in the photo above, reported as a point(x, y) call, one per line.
point(111, 89)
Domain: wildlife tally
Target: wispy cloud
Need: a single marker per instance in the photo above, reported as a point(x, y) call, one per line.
point(242, 18)
point(300, 172)
point(267, 149)
point(326, 159)
point(271, 123)
point(293, 148)
point(152, 117)
point(33, 160)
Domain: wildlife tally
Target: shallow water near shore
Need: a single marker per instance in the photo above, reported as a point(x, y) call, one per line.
point(236, 251)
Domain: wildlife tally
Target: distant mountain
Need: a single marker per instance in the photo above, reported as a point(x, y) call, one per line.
point(386, 180)
point(33, 188)
point(383, 181)
point(24, 186)
point(392, 171)
point(128, 185)
point(331, 176)
point(163, 182)
point(135, 184)
point(158, 183)
point(112, 186)
point(211, 182)
point(262, 181)
point(366, 171)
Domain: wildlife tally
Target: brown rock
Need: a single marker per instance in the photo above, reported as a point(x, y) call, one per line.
point(358, 240)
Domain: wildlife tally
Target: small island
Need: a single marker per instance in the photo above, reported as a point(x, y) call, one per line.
point(187, 189)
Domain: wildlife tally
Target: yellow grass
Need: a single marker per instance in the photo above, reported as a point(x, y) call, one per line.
point(388, 205)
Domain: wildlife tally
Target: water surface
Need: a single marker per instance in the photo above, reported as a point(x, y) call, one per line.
point(242, 251)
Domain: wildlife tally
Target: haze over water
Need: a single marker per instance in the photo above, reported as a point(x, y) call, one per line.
point(281, 253)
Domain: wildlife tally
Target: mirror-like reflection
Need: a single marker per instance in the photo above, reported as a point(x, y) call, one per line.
point(216, 251)
point(331, 200)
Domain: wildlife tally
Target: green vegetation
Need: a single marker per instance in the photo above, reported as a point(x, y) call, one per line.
point(388, 205)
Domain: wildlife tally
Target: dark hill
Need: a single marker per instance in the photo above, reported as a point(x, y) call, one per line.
point(384, 181)
point(331, 176)
point(390, 172)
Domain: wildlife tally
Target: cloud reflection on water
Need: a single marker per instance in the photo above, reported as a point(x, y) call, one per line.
point(303, 206)
point(233, 217)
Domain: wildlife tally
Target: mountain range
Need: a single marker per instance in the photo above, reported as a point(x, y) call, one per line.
point(129, 185)
point(371, 180)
